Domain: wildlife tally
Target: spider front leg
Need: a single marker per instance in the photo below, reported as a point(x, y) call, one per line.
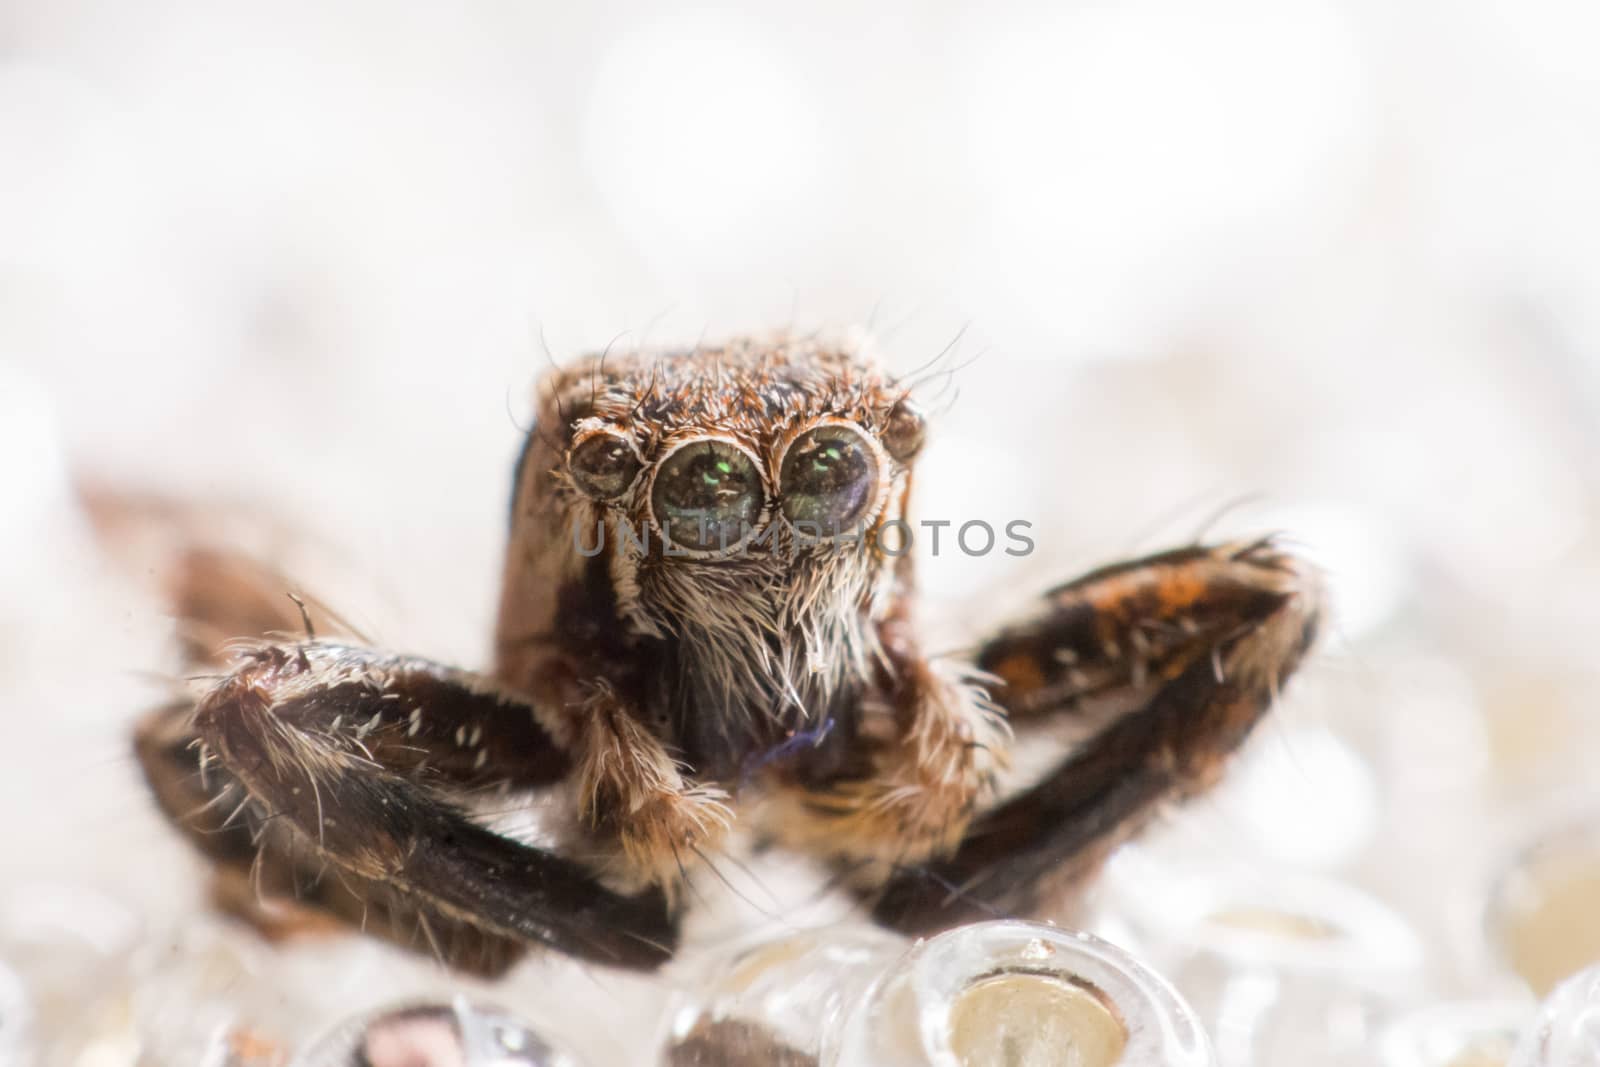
point(366, 763)
point(1166, 664)
point(638, 799)
point(934, 745)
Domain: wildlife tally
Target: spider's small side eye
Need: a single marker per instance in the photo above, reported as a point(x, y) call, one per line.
point(903, 435)
point(829, 477)
point(603, 466)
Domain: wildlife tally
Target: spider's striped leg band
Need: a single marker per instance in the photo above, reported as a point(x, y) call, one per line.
point(1162, 666)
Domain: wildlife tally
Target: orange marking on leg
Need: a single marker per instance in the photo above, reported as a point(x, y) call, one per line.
point(1020, 672)
point(1179, 588)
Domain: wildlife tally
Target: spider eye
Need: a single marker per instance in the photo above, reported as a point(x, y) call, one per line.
point(829, 478)
point(902, 437)
point(707, 494)
point(603, 466)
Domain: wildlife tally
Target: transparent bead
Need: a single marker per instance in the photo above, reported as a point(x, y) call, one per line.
point(1541, 916)
point(1282, 969)
point(457, 1034)
point(774, 1001)
point(1566, 1032)
point(1456, 1034)
point(1020, 994)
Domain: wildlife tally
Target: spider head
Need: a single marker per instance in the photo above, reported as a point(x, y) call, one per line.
point(760, 450)
point(739, 496)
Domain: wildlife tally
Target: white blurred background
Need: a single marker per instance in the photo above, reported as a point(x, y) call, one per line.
point(1325, 266)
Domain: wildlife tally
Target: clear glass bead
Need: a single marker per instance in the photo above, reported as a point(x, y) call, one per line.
point(774, 1001)
point(1455, 1034)
point(1541, 918)
point(454, 1034)
point(1566, 1032)
point(1281, 968)
point(1019, 994)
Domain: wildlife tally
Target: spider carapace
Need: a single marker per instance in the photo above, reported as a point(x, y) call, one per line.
point(705, 623)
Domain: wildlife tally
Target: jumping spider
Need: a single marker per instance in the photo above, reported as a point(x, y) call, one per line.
point(660, 688)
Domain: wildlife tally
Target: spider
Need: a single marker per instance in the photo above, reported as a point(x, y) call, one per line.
point(699, 624)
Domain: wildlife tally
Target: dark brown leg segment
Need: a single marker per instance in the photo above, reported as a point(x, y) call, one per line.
point(326, 757)
point(1164, 664)
point(261, 873)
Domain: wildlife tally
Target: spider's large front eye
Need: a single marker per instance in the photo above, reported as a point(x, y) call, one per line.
point(829, 478)
point(707, 494)
point(603, 466)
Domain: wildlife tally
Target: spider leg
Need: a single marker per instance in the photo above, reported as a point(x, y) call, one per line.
point(930, 754)
point(362, 763)
point(258, 873)
point(1163, 665)
point(649, 813)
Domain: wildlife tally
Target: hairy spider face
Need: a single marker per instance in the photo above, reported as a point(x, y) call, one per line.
point(748, 481)
point(735, 498)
